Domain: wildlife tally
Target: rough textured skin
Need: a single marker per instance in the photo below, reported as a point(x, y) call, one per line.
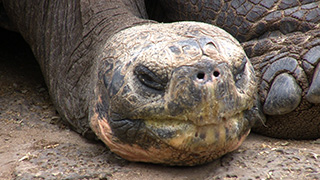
point(178, 94)
point(281, 38)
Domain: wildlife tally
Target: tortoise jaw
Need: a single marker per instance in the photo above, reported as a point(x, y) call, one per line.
point(173, 142)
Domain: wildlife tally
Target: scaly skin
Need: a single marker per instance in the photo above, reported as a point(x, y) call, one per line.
point(289, 83)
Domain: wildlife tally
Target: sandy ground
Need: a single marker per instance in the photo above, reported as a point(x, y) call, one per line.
point(35, 144)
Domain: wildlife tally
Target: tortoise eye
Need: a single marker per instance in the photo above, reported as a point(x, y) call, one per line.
point(149, 78)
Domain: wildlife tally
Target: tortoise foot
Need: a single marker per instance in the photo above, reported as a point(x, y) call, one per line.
point(284, 95)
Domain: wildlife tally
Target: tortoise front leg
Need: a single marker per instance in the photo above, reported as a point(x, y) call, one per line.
point(288, 71)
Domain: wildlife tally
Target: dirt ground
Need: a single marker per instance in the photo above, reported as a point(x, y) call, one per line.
point(35, 144)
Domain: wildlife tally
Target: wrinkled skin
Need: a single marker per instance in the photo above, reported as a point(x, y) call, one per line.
point(178, 94)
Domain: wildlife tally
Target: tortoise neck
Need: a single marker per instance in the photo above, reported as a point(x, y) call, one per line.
point(106, 18)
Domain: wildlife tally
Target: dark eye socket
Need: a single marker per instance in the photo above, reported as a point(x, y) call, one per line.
point(149, 78)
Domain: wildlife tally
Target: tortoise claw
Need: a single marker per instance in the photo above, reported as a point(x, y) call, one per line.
point(313, 95)
point(283, 97)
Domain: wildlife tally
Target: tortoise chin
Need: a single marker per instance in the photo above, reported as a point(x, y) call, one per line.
point(166, 96)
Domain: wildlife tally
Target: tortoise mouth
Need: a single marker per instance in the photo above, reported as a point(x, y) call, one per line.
point(171, 142)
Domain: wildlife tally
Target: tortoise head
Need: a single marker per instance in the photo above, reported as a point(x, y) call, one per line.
point(178, 94)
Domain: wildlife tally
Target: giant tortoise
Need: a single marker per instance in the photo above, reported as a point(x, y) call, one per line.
point(156, 86)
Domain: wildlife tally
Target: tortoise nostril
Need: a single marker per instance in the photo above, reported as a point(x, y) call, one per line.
point(216, 73)
point(200, 75)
